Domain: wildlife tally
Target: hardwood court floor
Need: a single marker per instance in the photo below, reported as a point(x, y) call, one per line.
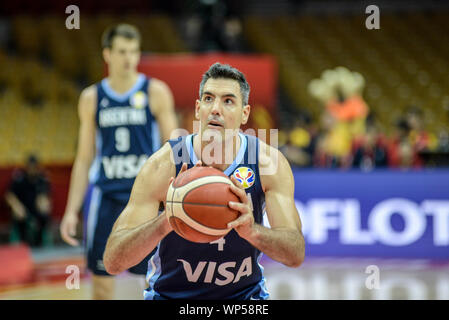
point(316, 279)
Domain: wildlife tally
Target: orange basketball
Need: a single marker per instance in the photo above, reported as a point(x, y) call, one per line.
point(197, 204)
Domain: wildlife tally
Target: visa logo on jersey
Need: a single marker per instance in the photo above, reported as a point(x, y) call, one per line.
point(123, 166)
point(245, 176)
point(226, 271)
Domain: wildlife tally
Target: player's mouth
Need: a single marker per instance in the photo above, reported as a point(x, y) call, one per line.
point(214, 124)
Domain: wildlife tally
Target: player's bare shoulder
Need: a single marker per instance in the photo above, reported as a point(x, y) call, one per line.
point(272, 165)
point(159, 167)
point(157, 86)
point(159, 91)
point(87, 101)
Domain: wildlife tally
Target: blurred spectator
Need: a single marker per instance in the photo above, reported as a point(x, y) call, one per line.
point(232, 35)
point(333, 148)
point(4, 33)
point(421, 140)
point(370, 150)
point(400, 150)
point(346, 108)
point(193, 31)
point(213, 26)
point(443, 135)
point(29, 199)
point(212, 14)
point(443, 141)
point(339, 91)
point(298, 141)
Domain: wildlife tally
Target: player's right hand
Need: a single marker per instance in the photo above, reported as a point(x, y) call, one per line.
point(184, 168)
point(68, 228)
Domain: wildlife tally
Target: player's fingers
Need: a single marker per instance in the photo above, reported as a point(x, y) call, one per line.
point(241, 207)
point(242, 220)
point(237, 183)
point(199, 163)
point(183, 168)
point(67, 238)
point(72, 241)
point(171, 180)
point(239, 193)
point(68, 231)
point(72, 229)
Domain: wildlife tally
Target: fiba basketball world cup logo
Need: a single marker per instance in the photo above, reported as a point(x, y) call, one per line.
point(139, 99)
point(245, 176)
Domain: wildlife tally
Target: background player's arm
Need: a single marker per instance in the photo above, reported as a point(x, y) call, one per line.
point(162, 108)
point(84, 156)
point(284, 241)
point(139, 228)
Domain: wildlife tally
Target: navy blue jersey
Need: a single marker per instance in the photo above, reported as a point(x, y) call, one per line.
point(227, 268)
point(127, 134)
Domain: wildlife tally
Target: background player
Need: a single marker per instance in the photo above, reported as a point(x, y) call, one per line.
point(178, 268)
point(121, 118)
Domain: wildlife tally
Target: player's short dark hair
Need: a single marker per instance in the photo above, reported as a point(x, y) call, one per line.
point(120, 30)
point(218, 70)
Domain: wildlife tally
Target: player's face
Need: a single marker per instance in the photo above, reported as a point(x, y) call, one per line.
point(124, 55)
point(221, 106)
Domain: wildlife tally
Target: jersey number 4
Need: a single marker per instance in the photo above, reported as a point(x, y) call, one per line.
point(221, 242)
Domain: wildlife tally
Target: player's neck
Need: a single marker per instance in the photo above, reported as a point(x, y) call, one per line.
point(219, 155)
point(122, 83)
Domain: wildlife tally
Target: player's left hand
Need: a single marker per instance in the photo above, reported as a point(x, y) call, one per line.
point(244, 224)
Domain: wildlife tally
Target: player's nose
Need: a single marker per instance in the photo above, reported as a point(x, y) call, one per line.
point(216, 107)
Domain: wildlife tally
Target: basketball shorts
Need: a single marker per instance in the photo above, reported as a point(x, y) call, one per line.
point(102, 212)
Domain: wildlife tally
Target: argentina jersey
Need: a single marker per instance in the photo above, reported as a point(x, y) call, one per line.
point(227, 268)
point(127, 134)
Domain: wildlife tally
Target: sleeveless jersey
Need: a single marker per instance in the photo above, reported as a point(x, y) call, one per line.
point(227, 268)
point(127, 134)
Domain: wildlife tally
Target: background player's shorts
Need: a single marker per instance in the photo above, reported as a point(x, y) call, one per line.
point(102, 212)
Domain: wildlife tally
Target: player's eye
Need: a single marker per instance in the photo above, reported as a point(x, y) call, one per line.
point(208, 98)
point(229, 101)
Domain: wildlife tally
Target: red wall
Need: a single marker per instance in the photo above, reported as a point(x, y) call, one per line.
point(183, 72)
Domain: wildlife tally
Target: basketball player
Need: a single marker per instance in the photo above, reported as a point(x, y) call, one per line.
point(227, 268)
point(121, 118)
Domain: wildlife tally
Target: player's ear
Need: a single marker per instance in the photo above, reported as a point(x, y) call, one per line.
point(245, 113)
point(197, 109)
point(106, 54)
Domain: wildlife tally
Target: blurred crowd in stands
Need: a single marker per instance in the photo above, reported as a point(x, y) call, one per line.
point(330, 144)
point(348, 134)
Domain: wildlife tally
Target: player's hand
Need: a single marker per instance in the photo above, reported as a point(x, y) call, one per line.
point(184, 168)
point(68, 228)
point(245, 222)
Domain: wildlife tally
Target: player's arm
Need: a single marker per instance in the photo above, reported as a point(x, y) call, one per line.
point(284, 241)
point(139, 228)
point(84, 156)
point(17, 207)
point(162, 108)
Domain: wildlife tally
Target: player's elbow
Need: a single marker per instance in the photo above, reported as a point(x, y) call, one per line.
point(297, 261)
point(297, 258)
point(111, 264)
point(112, 268)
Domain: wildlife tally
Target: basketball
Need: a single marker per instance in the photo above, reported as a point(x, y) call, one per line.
point(197, 204)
